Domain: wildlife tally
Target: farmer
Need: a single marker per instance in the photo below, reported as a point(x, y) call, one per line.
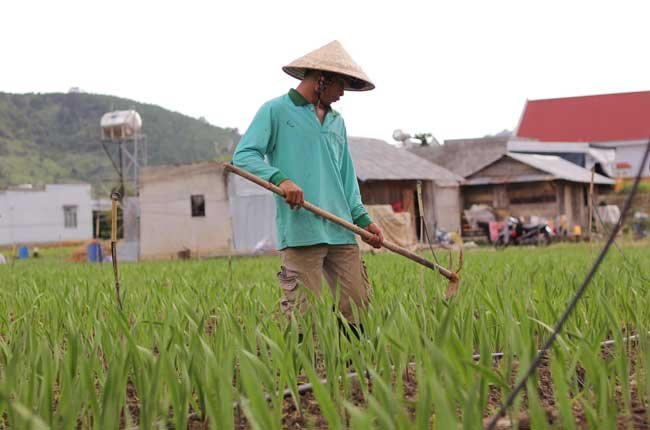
point(305, 142)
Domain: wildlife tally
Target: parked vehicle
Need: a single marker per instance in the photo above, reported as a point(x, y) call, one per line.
point(516, 232)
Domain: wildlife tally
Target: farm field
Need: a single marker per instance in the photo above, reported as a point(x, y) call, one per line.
point(203, 344)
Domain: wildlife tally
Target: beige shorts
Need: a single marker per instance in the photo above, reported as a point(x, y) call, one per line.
point(341, 265)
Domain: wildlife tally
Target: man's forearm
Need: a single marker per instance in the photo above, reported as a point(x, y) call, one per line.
point(253, 161)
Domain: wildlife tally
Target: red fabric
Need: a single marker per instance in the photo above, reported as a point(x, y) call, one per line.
point(397, 207)
point(598, 118)
point(495, 227)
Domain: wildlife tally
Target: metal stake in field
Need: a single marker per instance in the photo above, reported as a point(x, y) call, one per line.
point(454, 280)
point(115, 197)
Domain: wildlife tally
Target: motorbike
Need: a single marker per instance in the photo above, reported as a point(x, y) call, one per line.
point(516, 232)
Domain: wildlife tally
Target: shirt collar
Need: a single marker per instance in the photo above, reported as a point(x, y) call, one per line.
point(299, 100)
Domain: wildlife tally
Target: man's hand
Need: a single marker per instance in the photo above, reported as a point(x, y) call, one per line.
point(378, 237)
point(293, 194)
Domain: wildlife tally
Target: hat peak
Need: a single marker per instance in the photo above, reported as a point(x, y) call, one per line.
point(331, 57)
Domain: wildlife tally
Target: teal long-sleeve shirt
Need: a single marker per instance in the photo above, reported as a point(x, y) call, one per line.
point(316, 157)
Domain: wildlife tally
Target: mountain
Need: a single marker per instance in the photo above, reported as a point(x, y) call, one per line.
point(55, 138)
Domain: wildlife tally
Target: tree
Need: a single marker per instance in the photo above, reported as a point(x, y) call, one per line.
point(424, 138)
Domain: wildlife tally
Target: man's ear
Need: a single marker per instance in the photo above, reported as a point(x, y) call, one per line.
point(319, 86)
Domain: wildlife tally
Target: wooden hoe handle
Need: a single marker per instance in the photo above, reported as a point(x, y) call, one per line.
point(453, 277)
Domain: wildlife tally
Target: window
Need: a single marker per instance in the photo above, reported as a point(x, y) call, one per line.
point(70, 216)
point(198, 205)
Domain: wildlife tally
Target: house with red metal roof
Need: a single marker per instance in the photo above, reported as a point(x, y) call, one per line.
point(609, 121)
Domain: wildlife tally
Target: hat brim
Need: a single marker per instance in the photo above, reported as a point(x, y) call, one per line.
point(352, 83)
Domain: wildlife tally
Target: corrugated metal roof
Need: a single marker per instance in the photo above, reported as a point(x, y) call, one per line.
point(467, 156)
point(560, 168)
point(541, 177)
point(597, 118)
point(375, 159)
point(517, 145)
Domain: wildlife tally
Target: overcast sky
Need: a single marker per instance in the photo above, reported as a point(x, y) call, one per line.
point(452, 68)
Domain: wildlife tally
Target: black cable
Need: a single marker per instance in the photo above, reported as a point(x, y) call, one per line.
point(117, 169)
point(423, 223)
point(574, 301)
point(426, 234)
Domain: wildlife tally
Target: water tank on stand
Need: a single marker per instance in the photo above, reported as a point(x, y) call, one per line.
point(120, 125)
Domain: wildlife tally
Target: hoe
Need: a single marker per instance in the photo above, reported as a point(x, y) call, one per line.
point(452, 276)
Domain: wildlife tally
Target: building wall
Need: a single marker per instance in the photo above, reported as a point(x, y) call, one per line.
point(628, 152)
point(384, 192)
point(641, 201)
point(572, 202)
point(505, 168)
point(252, 210)
point(547, 199)
point(428, 197)
point(493, 195)
point(390, 192)
point(532, 199)
point(632, 155)
point(131, 219)
point(37, 216)
point(521, 200)
point(447, 208)
point(166, 222)
point(525, 211)
point(441, 204)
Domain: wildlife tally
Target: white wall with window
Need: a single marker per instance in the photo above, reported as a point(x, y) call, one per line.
point(53, 213)
point(184, 207)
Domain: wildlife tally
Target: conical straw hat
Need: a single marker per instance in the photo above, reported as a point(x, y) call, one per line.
point(331, 58)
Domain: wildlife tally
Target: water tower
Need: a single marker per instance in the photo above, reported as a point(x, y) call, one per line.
point(125, 145)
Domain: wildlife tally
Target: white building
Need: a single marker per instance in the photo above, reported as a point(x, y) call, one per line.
point(53, 213)
point(184, 208)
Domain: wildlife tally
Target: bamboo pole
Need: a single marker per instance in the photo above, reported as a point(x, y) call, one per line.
point(421, 207)
point(114, 203)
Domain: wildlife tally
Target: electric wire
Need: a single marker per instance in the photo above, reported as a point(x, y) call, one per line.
point(574, 301)
point(426, 235)
point(423, 223)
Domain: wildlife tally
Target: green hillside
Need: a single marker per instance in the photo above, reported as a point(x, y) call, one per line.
point(54, 138)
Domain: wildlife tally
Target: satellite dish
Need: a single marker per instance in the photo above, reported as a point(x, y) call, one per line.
point(400, 136)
